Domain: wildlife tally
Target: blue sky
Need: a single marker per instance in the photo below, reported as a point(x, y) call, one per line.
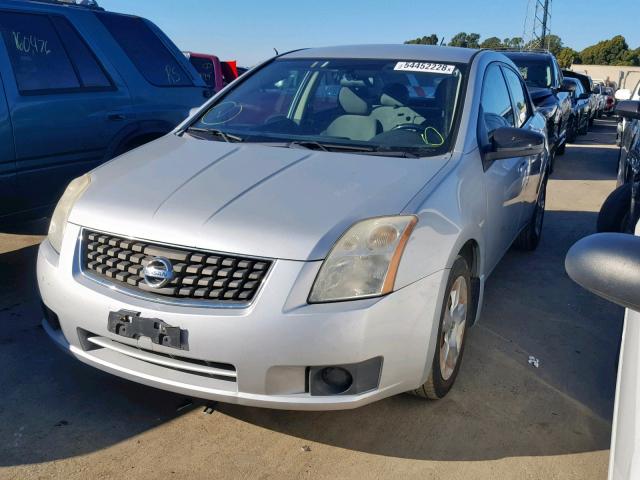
point(247, 30)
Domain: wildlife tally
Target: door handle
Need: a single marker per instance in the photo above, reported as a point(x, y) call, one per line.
point(116, 116)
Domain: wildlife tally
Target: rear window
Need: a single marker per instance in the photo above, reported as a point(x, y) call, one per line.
point(37, 56)
point(91, 73)
point(147, 52)
point(205, 68)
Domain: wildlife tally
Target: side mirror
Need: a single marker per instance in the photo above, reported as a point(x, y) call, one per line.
point(568, 86)
point(623, 94)
point(507, 142)
point(584, 96)
point(608, 264)
point(628, 109)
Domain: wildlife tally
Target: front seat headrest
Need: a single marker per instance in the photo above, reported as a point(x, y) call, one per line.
point(352, 103)
point(394, 95)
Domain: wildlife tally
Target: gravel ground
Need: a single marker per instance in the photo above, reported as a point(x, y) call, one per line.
point(504, 419)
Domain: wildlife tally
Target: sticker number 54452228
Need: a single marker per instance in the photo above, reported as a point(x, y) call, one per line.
point(425, 67)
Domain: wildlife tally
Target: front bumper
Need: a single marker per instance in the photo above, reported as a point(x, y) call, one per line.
point(271, 343)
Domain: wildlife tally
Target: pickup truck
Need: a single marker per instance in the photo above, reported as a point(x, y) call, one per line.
point(216, 73)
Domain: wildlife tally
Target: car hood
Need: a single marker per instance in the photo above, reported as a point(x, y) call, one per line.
point(538, 95)
point(247, 199)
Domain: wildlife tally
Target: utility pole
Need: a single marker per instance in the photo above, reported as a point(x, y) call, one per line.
point(543, 36)
point(541, 20)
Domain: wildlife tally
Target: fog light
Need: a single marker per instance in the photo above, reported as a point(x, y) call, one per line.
point(337, 379)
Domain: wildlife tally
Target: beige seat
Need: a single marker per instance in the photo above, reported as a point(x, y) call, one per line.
point(393, 110)
point(356, 124)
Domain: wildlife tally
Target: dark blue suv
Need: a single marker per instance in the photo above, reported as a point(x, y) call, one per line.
point(78, 86)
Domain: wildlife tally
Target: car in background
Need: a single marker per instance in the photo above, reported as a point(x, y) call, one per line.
point(601, 98)
point(621, 95)
point(79, 86)
point(610, 101)
point(215, 73)
point(587, 86)
point(621, 209)
point(544, 79)
point(297, 249)
point(580, 113)
point(608, 265)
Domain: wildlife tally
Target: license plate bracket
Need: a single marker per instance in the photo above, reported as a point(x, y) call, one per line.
point(130, 324)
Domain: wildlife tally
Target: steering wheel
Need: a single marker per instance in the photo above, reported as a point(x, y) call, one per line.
point(409, 126)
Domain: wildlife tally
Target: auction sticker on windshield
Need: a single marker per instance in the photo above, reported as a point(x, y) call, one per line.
point(425, 67)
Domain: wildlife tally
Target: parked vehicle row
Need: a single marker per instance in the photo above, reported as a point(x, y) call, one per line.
point(621, 209)
point(325, 245)
point(78, 86)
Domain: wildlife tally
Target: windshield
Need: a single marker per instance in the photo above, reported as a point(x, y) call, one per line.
point(536, 73)
point(376, 105)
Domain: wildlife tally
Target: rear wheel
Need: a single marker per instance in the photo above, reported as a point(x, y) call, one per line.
point(454, 320)
point(529, 238)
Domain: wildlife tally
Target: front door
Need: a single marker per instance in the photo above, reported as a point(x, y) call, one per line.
point(65, 107)
point(505, 179)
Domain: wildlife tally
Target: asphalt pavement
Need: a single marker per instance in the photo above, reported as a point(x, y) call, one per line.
point(534, 398)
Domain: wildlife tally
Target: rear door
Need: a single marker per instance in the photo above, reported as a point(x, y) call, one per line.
point(65, 107)
point(505, 179)
point(7, 157)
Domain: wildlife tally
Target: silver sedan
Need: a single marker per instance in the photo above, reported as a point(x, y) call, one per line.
point(317, 236)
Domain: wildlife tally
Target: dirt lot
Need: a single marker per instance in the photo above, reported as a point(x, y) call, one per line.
point(504, 419)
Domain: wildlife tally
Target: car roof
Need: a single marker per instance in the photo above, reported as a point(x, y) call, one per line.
point(389, 52)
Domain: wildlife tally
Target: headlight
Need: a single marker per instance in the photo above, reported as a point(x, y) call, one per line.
point(364, 261)
point(60, 215)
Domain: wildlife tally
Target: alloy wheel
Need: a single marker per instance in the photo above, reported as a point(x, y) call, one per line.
point(453, 327)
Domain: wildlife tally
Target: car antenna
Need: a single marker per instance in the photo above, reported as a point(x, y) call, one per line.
point(276, 50)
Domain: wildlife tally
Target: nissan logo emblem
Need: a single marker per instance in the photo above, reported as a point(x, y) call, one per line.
point(158, 272)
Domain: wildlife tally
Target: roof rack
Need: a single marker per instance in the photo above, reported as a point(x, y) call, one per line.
point(90, 4)
point(522, 50)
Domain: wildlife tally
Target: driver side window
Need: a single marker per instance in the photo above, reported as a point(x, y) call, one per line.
point(497, 110)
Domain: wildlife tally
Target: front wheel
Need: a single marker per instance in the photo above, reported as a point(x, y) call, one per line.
point(614, 213)
point(452, 330)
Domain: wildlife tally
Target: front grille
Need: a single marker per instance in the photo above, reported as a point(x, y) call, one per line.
point(198, 274)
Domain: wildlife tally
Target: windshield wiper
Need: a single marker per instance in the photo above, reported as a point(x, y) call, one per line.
point(364, 149)
point(227, 137)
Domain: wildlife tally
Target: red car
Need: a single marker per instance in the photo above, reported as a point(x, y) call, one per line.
point(215, 73)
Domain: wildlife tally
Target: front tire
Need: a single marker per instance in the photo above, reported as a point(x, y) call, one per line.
point(614, 213)
point(454, 321)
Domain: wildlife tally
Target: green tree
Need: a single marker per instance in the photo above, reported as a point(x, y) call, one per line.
point(515, 43)
point(492, 43)
point(614, 51)
point(553, 43)
point(426, 40)
point(466, 40)
point(567, 57)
